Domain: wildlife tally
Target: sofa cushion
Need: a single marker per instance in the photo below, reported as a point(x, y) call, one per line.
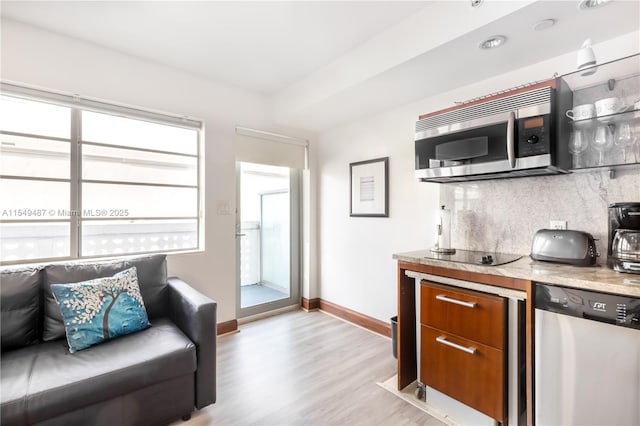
point(49, 381)
point(97, 310)
point(152, 279)
point(15, 369)
point(19, 307)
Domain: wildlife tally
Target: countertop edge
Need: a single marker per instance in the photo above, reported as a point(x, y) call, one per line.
point(597, 278)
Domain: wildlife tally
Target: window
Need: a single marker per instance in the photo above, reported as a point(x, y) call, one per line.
point(79, 178)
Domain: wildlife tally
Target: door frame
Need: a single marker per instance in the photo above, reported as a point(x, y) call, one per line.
point(295, 236)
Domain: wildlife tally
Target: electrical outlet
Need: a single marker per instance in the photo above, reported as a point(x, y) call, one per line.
point(558, 224)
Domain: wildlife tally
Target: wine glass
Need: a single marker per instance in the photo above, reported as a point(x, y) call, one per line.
point(623, 138)
point(577, 145)
point(602, 141)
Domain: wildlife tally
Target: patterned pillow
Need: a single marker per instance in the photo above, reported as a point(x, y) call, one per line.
point(101, 309)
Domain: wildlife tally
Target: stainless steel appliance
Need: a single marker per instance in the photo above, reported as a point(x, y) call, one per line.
point(506, 135)
point(587, 357)
point(564, 246)
point(624, 237)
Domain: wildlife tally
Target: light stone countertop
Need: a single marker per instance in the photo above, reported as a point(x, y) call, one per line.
point(598, 278)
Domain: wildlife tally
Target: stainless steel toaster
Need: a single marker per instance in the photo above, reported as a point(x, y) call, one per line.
point(564, 246)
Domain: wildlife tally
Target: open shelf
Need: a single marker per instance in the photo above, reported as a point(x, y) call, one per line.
point(617, 79)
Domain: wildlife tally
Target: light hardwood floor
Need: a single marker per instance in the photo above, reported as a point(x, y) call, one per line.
point(305, 368)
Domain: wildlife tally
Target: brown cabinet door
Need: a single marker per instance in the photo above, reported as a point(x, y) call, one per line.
point(470, 314)
point(470, 372)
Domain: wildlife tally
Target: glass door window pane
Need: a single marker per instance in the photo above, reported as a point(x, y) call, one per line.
point(125, 165)
point(33, 200)
point(34, 157)
point(265, 238)
point(137, 236)
point(129, 132)
point(34, 118)
point(275, 241)
point(139, 201)
point(41, 240)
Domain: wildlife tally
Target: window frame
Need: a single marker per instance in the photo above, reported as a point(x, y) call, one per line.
point(77, 105)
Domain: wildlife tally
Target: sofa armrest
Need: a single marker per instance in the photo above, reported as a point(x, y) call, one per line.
point(195, 314)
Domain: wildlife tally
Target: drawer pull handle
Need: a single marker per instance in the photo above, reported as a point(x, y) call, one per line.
point(456, 301)
point(470, 350)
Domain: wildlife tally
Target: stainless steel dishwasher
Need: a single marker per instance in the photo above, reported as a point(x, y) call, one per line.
point(587, 357)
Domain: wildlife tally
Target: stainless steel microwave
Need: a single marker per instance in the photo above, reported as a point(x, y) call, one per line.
point(509, 134)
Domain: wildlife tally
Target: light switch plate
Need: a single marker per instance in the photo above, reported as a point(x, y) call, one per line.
point(223, 208)
point(558, 224)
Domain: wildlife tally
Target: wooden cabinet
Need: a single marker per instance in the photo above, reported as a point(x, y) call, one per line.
point(463, 346)
point(408, 361)
point(466, 313)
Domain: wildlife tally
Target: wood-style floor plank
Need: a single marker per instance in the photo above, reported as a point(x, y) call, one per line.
point(305, 368)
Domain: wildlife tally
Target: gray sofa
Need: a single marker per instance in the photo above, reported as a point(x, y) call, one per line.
point(151, 377)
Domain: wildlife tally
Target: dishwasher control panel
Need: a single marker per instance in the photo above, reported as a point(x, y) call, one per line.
point(592, 305)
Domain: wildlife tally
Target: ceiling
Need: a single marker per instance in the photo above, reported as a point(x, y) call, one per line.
point(261, 46)
point(325, 63)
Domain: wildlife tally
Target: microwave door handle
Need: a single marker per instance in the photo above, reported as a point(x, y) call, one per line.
point(511, 148)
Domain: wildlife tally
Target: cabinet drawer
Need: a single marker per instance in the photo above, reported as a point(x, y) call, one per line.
point(470, 314)
point(476, 379)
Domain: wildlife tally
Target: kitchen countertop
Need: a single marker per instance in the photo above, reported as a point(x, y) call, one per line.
point(598, 278)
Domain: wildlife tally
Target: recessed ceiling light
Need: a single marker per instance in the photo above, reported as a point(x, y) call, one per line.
point(592, 4)
point(544, 24)
point(492, 42)
point(476, 3)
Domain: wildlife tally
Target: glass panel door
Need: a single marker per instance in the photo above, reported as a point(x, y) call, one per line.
point(275, 233)
point(267, 238)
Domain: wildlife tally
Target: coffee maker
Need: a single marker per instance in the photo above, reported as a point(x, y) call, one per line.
point(623, 251)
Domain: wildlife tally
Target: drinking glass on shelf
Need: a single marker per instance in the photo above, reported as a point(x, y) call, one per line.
point(623, 137)
point(602, 141)
point(577, 144)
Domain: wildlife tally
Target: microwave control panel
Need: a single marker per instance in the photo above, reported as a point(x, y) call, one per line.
point(534, 136)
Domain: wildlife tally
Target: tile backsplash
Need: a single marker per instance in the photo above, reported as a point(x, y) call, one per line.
point(502, 215)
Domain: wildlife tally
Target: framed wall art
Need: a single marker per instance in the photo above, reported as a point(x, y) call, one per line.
point(369, 188)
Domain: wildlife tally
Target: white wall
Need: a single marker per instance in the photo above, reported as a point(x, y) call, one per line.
point(355, 265)
point(47, 60)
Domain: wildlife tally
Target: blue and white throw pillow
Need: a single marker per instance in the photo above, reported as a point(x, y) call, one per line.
point(101, 309)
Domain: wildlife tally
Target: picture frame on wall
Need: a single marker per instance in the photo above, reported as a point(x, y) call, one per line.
point(369, 188)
